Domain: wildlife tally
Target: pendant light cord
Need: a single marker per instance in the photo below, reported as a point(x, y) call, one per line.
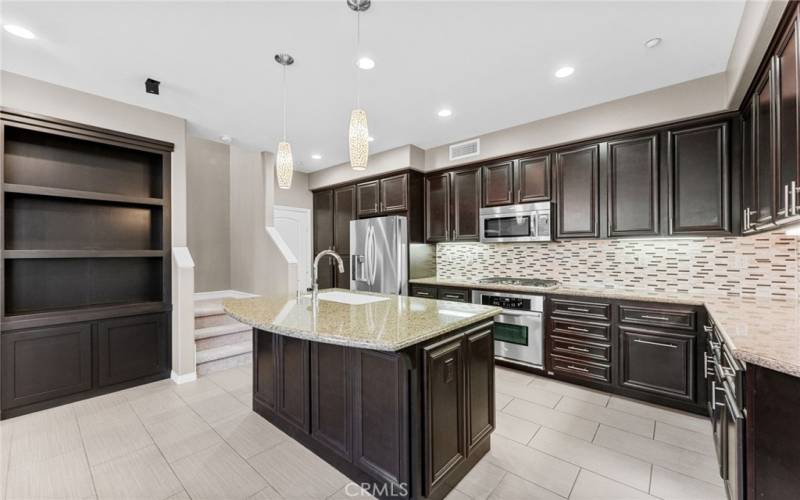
point(284, 103)
point(358, 49)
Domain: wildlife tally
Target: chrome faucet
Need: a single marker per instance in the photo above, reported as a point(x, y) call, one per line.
point(340, 264)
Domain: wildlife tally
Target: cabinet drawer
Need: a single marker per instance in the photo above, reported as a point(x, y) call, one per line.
point(426, 292)
point(581, 309)
point(453, 294)
point(577, 348)
point(581, 329)
point(580, 369)
point(670, 318)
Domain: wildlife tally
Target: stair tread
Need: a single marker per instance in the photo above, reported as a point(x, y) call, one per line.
point(222, 352)
point(218, 331)
point(212, 309)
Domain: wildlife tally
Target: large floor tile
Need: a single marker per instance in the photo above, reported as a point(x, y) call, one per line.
point(545, 470)
point(267, 493)
point(65, 476)
point(35, 446)
point(670, 485)
point(695, 441)
point(108, 442)
point(249, 434)
point(140, 391)
point(591, 486)
point(201, 388)
point(5, 455)
point(515, 428)
point(672, 417)
point(143, 474)
point(231, 380)
point(666, 455)
point(501, 400)
point(573, 391)
point(351, 491)
point(457, 495)
point(100, 403)
point(528, 392)
point(481, 480)
point(609, 416)
point(512, 375)
point(515, 488)
point(181, 433)
point(152, 407)
point(218, 407)
point(43, 421)
point(296, 472)
point(218, 472)
point(547, 417)
point(609, 463)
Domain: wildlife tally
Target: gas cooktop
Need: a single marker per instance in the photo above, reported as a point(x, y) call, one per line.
point(532, 282)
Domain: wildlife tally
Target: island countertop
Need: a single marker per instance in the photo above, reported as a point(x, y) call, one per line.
point(391, 324)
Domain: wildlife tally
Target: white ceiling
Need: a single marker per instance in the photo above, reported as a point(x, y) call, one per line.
point(491, 62)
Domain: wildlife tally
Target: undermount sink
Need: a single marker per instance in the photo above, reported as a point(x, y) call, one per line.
point(353, 299)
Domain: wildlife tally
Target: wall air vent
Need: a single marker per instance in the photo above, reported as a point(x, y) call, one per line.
point(465, 149)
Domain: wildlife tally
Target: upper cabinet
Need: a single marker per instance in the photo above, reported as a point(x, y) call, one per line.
point(577, 192)
point(764, 153)
point(382, 196)
point(498, 184)
point(437, 207)
point(633, 173)
point(699, 167)
point(786, 79)
point(525, 180)
point(323, 234)
point(452, 206)
point(368, 196)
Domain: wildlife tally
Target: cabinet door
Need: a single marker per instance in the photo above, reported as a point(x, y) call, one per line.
point(698, 180)
point(444, 404)
point(533, 179)
point(749, 181)
point(344, 210)
point(466, 205)
point(661, 363)
point(131, 348)
point(292, 385)
point(45, 363)
point(788, 162)
point(498, 184)
point(633, 187)
point(264, 368)
point(577, 172)
point(331, 416)
point(367, 198)
point(480, 385)
point(323, 234)
point(764, 153)
point(394, 193)
point(437, 208)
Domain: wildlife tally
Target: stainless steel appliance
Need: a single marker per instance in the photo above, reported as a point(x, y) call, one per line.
point(544, 284)
point(515, 223)
point(725, 377)
point(519, 329)
point(379, 255)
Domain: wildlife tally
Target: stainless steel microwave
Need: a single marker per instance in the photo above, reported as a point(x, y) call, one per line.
point(516, 223)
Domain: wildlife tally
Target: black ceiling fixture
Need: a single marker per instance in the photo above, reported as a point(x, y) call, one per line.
point(151, 86)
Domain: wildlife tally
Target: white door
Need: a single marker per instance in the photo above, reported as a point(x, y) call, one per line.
point(294, 226)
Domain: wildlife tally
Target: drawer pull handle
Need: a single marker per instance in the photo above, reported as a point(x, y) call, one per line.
point(659, 318)
point(571, 348)
point(578, 309)
point(451, 296)
point(424, 294)
point(671, 346)
point(575, 328)
point(578, 368)
point(708, 328)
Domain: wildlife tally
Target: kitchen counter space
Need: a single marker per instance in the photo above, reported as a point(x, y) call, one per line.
point(388, 325)
point(761, 331)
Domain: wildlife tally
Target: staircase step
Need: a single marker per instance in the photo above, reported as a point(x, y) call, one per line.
point(217, 331)
point(245, 359)
point(221, 340)
point(211, 308)
point(222, 352)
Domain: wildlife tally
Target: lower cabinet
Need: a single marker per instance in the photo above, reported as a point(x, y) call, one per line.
point(331, 399)
point(292, 390)
point(480, 386)
point(131, 348)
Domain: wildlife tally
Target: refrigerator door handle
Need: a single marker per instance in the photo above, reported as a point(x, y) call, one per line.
point(373, 265)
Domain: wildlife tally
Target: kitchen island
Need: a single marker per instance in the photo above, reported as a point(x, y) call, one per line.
point(396, 392)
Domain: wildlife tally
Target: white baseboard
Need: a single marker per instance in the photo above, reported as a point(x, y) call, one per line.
point(182, 379)
point(222, 294)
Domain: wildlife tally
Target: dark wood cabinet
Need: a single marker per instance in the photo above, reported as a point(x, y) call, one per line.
point(764, 153)
point(344, 210)
point(480, 386)
point(659, 362)
point(577, 192)
point(749, 179)
point(633, 194)
point(437, 207)
point(699, 170)
point(264, 379)
point(394, 193)
point(368, 198)
point(131, 348)
point(532, 179)
point(466, 205)
point(423, 291)
point(324, 234)
point(498, 184)
point(786, 135)
point(292, 384)
point(331, 398)
point(453, 294)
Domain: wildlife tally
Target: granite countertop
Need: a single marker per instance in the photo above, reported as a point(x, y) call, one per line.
point(388, 325)
point(761, 331)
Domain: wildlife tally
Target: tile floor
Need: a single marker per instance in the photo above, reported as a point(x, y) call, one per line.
point(201, 440)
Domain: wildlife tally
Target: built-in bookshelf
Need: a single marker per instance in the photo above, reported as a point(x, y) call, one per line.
point(85, 242)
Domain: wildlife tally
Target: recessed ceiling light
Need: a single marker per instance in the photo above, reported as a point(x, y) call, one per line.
point(652, 42)
point(444, 113)
point(371, 139)
point(565, 72)
point(365, 63)
point(316, 156)
point(19, 31)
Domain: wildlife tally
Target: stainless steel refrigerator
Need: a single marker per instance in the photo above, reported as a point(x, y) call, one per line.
point(379, 255)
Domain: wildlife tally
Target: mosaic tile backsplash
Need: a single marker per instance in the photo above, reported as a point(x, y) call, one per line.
point(762, 265)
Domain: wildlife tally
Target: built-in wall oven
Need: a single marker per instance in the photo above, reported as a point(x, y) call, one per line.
point(518, 329)
point(725, 376)
point(516, 223)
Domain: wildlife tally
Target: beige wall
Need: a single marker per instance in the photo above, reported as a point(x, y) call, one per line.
point(380, 163)
point(298, 195)
point(208, 212)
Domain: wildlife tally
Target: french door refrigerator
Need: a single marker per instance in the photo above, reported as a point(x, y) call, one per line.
point(379, 255)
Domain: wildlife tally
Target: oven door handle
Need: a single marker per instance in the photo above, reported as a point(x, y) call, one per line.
point(509, 312)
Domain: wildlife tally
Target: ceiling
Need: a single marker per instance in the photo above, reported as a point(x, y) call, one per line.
point(492, 63)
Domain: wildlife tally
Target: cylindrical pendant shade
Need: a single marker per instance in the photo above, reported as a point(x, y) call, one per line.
point(359, 139)
point(283, 165)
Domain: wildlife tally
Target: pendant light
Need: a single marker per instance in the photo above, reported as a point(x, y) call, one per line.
point(283, 159)
point(358, 136)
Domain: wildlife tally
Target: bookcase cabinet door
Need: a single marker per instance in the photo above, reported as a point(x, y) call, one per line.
point(131, 348)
